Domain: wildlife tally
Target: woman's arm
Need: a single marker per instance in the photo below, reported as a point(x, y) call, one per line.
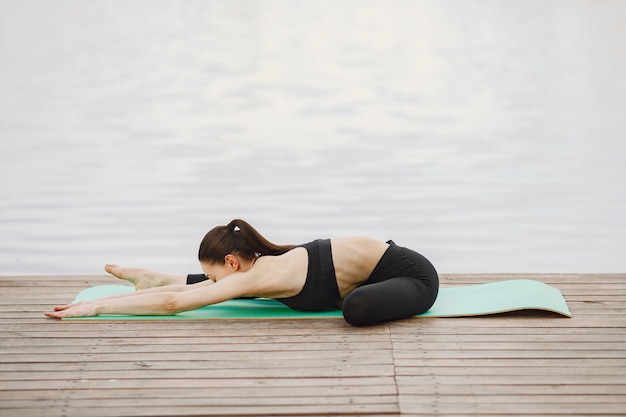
point(167, 288)
point(141, 303)
point(160, 301)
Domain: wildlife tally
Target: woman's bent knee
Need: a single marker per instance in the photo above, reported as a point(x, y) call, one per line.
point(358, 309)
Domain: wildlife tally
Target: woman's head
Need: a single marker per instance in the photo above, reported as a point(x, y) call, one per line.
point(236, 238)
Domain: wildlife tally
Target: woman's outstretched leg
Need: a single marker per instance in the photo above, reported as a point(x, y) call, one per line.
point(393, 299)
point(144, 278)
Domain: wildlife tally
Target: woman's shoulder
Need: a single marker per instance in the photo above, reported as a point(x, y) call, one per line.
point(282, 275)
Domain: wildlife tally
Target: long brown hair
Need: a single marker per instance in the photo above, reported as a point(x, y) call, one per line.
point(237, 237)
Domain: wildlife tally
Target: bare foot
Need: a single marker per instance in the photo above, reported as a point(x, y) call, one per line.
point(143, 278)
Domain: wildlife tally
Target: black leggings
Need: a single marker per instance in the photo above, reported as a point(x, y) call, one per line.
point(403, 284)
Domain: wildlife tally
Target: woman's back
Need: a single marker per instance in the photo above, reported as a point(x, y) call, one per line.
point(354, 259)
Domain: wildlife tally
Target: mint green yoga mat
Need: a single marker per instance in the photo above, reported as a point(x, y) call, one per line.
point(470, 300)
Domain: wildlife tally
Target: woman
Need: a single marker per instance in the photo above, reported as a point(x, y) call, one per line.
point(371, 281)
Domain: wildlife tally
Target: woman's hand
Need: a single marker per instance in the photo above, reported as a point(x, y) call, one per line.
point(83, 309)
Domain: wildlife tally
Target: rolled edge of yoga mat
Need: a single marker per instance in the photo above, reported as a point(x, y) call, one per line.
point(498, 297)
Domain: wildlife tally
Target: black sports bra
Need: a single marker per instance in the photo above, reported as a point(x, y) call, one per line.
point(320, 291)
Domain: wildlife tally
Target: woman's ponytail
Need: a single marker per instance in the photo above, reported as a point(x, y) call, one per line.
point(238, 237)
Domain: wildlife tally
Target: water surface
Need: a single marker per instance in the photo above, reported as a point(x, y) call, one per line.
point(487, 135)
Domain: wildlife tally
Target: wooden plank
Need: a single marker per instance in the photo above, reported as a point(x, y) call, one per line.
point(519, 399)
point(94, 338)
point(150, 356)
point(243, 400)
point(510, 371)
point(220, 347)
point(508, 332)
point(344, 371)
point(183, 364)
point(183, 328)
point(512, 346)
point(432, 363)
point(509, 354)
point(521, 338)
point(551, 392)
point(217, 392)
point(509, 408)
point(147, 409)
point(614, 379)
point(83, 382)
point(548, 278)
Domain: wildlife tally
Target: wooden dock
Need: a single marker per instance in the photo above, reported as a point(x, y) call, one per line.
point(529, 363)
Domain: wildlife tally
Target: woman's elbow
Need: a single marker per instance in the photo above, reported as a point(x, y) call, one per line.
point(171, 304)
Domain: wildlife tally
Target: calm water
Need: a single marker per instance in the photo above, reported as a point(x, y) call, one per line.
point(488, 135)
